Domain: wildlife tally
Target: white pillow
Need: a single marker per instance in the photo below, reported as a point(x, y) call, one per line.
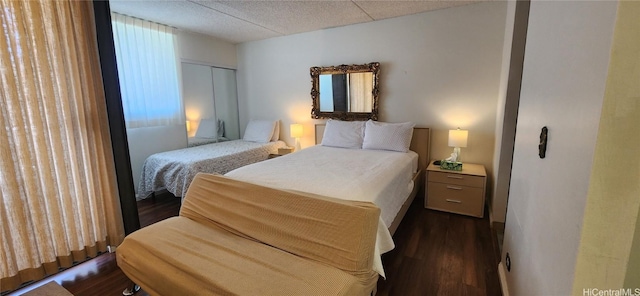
point(276, 132)
point(259, 131)
point(343, 134)
point(388, 136)
point(207, 128)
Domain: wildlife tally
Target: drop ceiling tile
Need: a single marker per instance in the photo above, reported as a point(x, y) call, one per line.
point(290, 17)
point(194, 17)
point(388, 9)
point(240, 21)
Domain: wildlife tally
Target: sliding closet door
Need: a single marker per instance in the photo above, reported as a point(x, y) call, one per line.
point(197, 90)
point(210, 93)
point(226, 101)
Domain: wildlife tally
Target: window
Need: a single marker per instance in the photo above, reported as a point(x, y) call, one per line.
point(147, 68)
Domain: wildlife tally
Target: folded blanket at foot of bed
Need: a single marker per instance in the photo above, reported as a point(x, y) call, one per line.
point(239, 238)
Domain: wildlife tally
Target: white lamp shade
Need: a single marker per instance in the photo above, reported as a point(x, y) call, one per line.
point(458, 138)
point(296, 130)
point(188, 125)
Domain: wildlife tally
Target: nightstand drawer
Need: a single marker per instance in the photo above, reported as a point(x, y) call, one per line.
point(456, 179)
point(454, 198)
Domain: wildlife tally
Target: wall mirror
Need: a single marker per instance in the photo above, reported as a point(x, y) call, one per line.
point(345, 92)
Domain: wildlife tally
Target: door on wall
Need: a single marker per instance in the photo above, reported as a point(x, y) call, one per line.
point(210, 102)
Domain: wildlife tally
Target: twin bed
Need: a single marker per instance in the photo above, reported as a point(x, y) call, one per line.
point(174, 170)
point(389, 179)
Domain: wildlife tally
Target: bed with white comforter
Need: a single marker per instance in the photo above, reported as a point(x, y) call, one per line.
point(378, 176)
point(174, 170)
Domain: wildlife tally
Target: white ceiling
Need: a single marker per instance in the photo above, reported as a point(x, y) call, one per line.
point(241, 21)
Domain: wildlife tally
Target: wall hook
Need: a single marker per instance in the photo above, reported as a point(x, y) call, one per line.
point(542, 147)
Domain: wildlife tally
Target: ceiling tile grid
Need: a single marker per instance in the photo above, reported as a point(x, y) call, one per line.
point(290, 17)
point(240, 21)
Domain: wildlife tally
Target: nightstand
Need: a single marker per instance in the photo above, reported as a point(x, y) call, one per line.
point(285, 150)
point(460, 192)
point(281, 152)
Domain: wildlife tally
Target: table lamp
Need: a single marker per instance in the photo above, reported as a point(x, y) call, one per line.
point(457, 139)
point(296, 132)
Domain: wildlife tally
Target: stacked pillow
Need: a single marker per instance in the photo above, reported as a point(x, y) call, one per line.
point(210, 128)
point(370, 135)
point(262, 131)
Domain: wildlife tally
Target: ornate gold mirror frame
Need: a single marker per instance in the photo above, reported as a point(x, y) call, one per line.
point(317, 112)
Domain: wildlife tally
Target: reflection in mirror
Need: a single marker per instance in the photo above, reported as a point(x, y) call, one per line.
point(210, 103)
point(208, 97)
point(346, 92)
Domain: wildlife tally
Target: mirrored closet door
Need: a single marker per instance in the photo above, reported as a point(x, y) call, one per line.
point(210, 103)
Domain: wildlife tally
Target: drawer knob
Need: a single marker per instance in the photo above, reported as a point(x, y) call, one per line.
point(453, 200)
point(454, 187)
point(454, 177)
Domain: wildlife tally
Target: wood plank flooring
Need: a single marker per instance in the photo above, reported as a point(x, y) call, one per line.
point(436, 254)
point(440, 253)
point(160, 207)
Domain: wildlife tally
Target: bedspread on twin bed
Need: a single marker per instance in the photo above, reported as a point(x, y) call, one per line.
point(381, 177)
point(174, 170)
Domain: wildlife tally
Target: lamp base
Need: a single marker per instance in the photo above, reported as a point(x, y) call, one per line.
point(298, 148)
point(456, 151)
point(451, 165)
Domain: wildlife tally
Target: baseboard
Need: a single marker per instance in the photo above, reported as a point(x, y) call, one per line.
point(494, 222)
point(490, 210)
point(503, 279)
point(498, 226)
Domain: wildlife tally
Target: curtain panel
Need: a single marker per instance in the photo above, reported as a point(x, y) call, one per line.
point(148, 71)
point(360, 90)
point(59, 200)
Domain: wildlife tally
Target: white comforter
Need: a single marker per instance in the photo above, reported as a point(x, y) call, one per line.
point(381, 177)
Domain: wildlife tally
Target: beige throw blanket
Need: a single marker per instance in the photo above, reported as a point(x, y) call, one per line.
point(236, 238)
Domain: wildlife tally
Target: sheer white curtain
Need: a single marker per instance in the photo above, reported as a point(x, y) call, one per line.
point(148, 72)
point(360, 90)
point(58, 194)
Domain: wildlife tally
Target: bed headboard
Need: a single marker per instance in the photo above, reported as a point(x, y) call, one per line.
point(420, 143)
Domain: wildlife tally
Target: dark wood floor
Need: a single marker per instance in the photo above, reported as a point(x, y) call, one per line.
point(436, 254)
point(440, 253)
point(157, 208)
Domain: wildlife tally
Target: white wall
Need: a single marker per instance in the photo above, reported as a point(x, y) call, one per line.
point(192, 47)
point(206, 50)
point(439, 69)
point(565, 69)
